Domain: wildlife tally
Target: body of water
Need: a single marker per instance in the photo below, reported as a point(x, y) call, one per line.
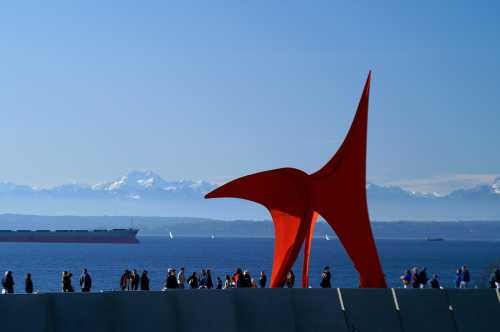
point(106, 262)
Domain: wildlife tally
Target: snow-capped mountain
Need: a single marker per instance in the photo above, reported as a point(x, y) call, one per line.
point(147, 193)
point(137, 182)
point(134, 185)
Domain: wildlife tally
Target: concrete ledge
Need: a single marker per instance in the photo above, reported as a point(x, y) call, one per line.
point(254, 310)
point(425, 310)
point(318, 310)
point(475, 309)
point(25, 312)
point(370, 310)
point(204, 310)
point(143, 311)
point(264, 309)
point(82, 312)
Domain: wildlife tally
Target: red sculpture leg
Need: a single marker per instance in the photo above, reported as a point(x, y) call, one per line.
point(307, 251)
point(288, 230)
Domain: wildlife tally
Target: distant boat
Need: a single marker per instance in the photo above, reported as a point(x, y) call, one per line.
point(434, 239)
point(212, 236)
point(171, 235)
point(326, 237)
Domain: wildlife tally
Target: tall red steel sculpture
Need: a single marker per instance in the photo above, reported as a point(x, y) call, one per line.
point(337, 192)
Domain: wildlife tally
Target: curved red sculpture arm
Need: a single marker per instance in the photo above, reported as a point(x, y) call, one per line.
point(339, 196)
point(282, 189)
point(285, 194)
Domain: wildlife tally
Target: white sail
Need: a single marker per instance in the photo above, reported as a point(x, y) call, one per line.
point(171, 235)
point(326, 237)
point(212, 237)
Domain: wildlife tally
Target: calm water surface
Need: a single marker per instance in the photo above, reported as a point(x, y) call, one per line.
point(106, 262)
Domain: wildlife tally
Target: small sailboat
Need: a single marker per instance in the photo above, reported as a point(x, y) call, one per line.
point(326, 237)
point(171, 235)
point(212, 236)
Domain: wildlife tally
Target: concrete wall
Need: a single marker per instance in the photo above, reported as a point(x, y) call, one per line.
point(247, 310)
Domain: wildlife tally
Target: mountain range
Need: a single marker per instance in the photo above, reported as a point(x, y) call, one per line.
point(145, 193)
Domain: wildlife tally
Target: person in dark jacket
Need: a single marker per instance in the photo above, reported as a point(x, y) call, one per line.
point(244, 281)
point(435, 282)
point(124, 281)
point(219, 283)
point(67, 287)
point(193, 281)
point(415, 281)
point(210, 283)
point(85, 281)
point(422, 278)
point(8, 283)
point(171, 281)
point(495, 278)
point(203, 279)
point(28, 284)
point(237, 275)
point(262, 279)
point(134, 280)
point(144, 281)
point(458, 278)
point(465, 277)
point(326, 278)
point(290, 279)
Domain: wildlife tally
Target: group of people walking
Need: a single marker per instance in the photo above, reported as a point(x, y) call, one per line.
point(131, 280)
point(416, 277)
point(66, 284)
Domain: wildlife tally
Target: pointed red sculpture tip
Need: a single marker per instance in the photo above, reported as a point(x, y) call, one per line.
point(211, 194)
point(337, 192)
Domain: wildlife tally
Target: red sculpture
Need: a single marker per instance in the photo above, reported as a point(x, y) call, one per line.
point(337, 192)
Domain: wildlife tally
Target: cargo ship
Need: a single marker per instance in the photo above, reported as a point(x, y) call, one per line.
point(117, 235)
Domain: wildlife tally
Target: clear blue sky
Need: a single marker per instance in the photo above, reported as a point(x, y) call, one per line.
point(214, 90)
